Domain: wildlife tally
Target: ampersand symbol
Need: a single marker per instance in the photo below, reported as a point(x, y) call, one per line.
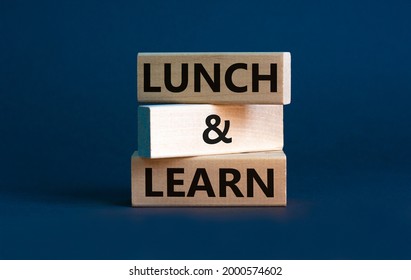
point(214, 127)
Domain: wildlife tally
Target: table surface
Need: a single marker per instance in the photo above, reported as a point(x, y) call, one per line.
point(330, 215)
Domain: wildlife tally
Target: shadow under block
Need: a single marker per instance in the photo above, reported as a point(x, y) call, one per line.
point(248, 179)
point(214, 78)
point(182, 130)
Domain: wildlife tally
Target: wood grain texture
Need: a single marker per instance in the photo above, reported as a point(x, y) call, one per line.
point(220, 180)
point(207, 95)
point(177, 130)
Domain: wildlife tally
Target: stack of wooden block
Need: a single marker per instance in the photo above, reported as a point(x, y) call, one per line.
point(215, 134)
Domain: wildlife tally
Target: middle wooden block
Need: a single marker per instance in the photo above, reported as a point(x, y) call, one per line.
point(193, 130)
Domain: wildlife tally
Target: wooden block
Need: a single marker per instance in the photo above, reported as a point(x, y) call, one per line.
point(215, 78)
point(248, 179)
point(189, 130)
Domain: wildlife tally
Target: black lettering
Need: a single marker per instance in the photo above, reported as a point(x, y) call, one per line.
point(224, 183)
point(149, 184)
point(201, 173)
point(199, 71)
point(171, 182)
point(184, 78)
point(147, 80)
point(267, 189)
point(272, 77)
point(229, 77)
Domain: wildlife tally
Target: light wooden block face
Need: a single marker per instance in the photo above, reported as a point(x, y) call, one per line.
point(248, 179)
point(214, 78)
point(190, 130)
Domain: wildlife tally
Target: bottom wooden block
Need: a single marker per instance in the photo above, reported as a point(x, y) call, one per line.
point(248, 179)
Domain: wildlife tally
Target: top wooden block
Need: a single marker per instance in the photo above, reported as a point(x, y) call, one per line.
point(214, 78)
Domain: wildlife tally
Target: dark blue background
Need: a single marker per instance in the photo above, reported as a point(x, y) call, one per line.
point(68, 128)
